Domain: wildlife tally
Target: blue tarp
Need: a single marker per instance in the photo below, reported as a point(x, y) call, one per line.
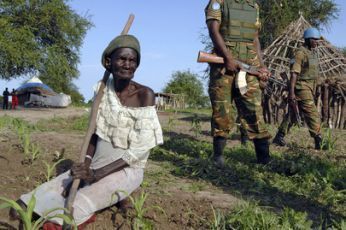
point(35, 85)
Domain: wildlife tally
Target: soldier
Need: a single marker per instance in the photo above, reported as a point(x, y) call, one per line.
point(233, 27)
point(304, 73)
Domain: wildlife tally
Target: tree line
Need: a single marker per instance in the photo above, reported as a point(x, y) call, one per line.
point(44, 38)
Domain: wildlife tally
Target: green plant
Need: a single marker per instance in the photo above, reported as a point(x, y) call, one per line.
point(25, 138)
point(35, 151)
point(196, 125)
point(81, 123)
point(50, 168)
point(26, 214)
point(328, 141)
point(291, 219)
point(139, 221)
point(31, 150)
point(219, 222)
point(171, 122)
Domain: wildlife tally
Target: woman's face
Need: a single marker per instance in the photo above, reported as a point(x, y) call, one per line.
point(124, 63)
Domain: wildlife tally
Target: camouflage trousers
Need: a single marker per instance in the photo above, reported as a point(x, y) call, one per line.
point(222, 92)
point(307, 110)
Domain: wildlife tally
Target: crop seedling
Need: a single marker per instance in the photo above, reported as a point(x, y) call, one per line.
point(50, 169)
point(140, 222)
point(26, 214)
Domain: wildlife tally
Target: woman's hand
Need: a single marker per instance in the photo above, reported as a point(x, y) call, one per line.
point(82, 171)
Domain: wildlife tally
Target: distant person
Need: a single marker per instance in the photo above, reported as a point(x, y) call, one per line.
point(5, 95)
point(14, 99)
point(127, 127)
point(304, 74)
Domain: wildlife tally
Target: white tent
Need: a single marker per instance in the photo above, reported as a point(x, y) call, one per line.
point(59, 100)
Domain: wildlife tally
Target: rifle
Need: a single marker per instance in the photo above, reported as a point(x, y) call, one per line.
point(294, 107)
point(213, 58)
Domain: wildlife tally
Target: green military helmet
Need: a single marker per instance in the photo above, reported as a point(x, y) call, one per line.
point(122, 41)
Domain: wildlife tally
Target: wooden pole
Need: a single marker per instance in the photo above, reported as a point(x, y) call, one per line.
point(92, 125)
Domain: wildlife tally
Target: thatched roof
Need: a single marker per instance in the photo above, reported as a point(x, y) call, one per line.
point(277, 56)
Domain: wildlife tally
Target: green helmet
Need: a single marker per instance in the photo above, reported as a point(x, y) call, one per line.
point(122, 41)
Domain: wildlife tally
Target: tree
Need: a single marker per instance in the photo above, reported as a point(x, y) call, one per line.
point(276, 15)
point(187, 83)
point(41, 37)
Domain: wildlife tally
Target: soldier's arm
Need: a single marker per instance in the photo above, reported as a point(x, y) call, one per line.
point(213, 19)
point(258, 50)
point(292, 85)
point(295, 71)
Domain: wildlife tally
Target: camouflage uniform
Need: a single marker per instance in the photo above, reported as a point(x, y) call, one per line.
point(306, 66)
point(238, 27)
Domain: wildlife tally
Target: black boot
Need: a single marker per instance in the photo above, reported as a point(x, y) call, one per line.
point(318, 142)
point(279, 139)
point(262, 150)
point(219, 144)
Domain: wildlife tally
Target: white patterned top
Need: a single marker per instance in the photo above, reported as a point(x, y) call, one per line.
point(135, 129)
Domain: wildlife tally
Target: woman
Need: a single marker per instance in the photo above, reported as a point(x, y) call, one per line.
point(14, 99)
point(127, 128)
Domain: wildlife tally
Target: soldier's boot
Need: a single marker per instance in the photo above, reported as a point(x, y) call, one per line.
point(318, 143)
point(262, 151)
point(279, 139)
point(219, 144)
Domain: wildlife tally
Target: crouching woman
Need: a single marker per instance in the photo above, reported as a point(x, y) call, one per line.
point(127, 128)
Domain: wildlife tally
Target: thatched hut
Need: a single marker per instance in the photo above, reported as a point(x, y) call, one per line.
point(331, 87)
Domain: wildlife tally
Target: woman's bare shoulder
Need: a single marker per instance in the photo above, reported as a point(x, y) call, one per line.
point(145, 94)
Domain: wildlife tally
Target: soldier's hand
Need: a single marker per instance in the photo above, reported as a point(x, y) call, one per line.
point(232, 66)
point(264, 74)
point(292, 97)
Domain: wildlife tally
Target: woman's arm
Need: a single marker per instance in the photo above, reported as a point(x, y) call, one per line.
point(84, 172)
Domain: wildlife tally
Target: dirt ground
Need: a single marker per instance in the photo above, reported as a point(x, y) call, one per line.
point(188, 203)
point(35, 114)
point(173, 194)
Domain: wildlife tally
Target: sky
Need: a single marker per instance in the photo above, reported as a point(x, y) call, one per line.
point(169, 34)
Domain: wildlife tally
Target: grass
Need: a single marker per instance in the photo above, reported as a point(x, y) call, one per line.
point(78, 123)
point(295, 177)
point(196, 125)
point(249, 215)
point(300, 189)
point(328, 140)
